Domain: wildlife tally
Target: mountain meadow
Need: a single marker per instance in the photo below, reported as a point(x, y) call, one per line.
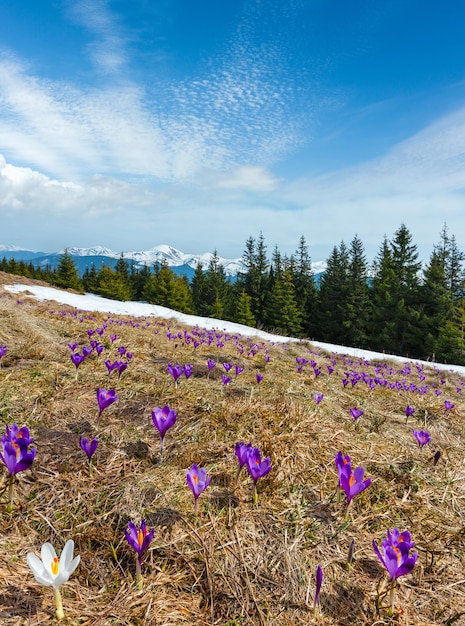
point(170, 528)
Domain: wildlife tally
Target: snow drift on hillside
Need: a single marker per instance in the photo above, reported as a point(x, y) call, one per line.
point(91, 302)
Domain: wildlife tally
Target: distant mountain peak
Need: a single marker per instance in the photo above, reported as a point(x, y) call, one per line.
point(13, 248)
point(94, 251)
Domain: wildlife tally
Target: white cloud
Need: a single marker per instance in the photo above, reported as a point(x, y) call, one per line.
point(108, 49)
point(251, 178)
point(234, 112)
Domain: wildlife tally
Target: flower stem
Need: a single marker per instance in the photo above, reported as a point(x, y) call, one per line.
point(161, 448)
point(10, 493)
point(59, 605)
point(139, 579)
point(392, 594)
point(255, 494)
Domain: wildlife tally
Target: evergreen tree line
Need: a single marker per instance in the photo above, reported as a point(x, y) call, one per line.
point(393, 305)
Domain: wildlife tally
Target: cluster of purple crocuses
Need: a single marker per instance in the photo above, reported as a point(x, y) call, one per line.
point(177, 371)
point(16, 455)
point(77, 357)
point(251, 458)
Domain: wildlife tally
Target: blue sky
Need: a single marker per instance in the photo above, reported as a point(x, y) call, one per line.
point(198, 124)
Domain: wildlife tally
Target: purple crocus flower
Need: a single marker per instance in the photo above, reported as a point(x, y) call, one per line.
point(395, 537)
point(238, 370)
point(422, 437)
point(227, 366)
point(448, 405)
point(210, 364)
point(105, 398)
point(241, 450)
point(257, 467)
point(89, 447)
point(225, 380)
point(396, 558)
point(319, 581)
point(197, 481)
point(343, 466)
point(86, 350)
point(121, 350)
point(15, 455)
point(354, 483)
point(175, 371)
point(121, 366)
point(187, 370)
point(71, 346)
point(139, 539)
point(258, 378)
point(356, 413)
point(318, 397)
point(409, 411)
point(163, 419)
point(77, 359)
point(13, 433)
point(110, 366)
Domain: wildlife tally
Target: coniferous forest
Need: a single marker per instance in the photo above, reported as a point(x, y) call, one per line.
point(396, 304)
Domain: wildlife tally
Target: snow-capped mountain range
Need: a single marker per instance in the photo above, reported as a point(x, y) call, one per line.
point(160, 254)
point(181, 262)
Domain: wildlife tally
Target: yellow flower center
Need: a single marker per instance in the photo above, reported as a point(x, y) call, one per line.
point(55, 566)
point(352, 480)
point(140, 537)
point(195, 478)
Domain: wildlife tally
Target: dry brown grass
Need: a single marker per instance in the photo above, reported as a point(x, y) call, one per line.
point(235, 563)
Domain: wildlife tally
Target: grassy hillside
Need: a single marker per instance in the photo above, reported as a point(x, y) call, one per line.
point(236, 562)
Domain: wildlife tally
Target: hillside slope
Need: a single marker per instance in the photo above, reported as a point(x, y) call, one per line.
point(236, 561)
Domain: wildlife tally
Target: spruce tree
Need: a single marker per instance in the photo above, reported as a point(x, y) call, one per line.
point(166, 289)
point(243, 314)
point(66, 274)
point(332, 297)
point(382, 333)
point(357, 311)
point(283, 313)
point(441, 301)
point(138, 279)
point(111, 285)
point(305, 289)
point(122, 270)
point(90, 279)
point(199, 292)
point(217, 289)
point(255, 280)
point(407, 317)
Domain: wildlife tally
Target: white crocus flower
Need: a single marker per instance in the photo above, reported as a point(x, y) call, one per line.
point(53, 572)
